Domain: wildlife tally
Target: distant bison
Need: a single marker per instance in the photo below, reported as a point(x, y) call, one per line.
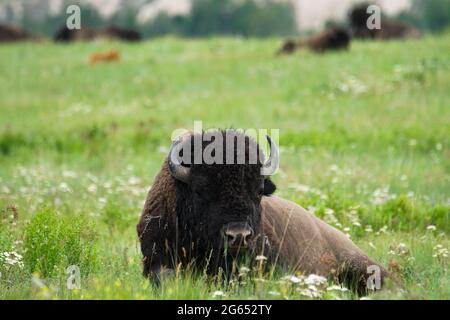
point(390, 29)
point(88, 34)
point(330, 39)
point(108, 56)
point(12, 34)
point(209, 215)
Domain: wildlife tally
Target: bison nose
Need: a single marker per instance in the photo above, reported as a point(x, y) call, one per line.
point(238, 234)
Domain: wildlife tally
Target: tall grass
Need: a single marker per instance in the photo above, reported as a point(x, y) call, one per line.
point(53, 242)
point(364, 140)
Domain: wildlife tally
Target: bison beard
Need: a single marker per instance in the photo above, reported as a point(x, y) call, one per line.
point(189, 207)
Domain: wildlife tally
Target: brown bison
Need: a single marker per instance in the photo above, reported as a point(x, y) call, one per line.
point(87, 34)
point(390, 29)
point(209, 215)
point(330, 39)
point(107, 56)
point(12, 34)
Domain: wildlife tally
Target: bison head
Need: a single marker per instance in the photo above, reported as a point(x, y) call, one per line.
point(220, 180)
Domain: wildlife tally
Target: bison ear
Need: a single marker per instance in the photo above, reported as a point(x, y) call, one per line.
point(269, 187)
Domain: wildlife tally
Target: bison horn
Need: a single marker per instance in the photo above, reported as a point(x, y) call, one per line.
point(177, 170)
point(271, 164)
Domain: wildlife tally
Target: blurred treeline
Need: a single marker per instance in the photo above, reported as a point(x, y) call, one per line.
point(207, 17)
point(256, 18)
point(428, 15)
point(246, 18)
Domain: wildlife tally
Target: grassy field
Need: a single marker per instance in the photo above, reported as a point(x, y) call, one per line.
point(364, 139)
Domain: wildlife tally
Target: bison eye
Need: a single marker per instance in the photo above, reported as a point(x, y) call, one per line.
point(261, 191)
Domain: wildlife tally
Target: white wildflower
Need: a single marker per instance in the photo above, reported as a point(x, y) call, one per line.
point(310, 293)
point(334, 168)
point(381, 196)
point(352, 215)
point(315, 280)
point(64, 187)
point(337, 288)
point(92, 188)
point(301, 188)
point(134, 180)
point(331, 218)
point(347, 232)
point(440, 252)
point(218, 294)
point(11, 259)
point(293, 279)
point(69, 174)
point(244, 270)
point(382, 230)
point(399, 250)
point(352, 85)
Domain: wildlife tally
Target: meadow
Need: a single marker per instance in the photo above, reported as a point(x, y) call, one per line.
point(364, 140)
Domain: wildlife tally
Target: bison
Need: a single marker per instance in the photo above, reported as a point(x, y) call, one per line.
point(331, 39)
point(208, 215)
point(87, 34)
point(12, 34)
point(107, 56)
point(390, 29)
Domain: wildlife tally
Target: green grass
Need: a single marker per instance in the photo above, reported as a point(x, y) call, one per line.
point(364, 138)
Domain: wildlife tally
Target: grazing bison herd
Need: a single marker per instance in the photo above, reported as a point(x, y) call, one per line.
point(211, 215)
point(336, 38)
point(14, 34)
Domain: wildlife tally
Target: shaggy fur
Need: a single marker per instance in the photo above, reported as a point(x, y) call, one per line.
point(330, 39)
point(181, 223)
